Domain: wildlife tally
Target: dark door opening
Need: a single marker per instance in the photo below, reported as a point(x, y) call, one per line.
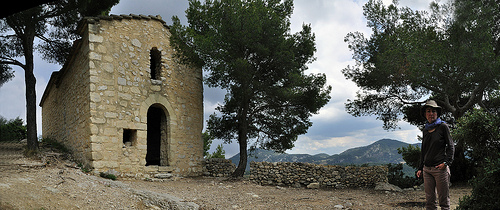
point(156, 137)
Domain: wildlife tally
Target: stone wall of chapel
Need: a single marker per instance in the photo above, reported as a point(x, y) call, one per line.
point(121, 91)
point(65, 110)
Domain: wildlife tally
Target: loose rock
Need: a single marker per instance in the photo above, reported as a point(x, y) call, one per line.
point(314, 185)
point(384, 186)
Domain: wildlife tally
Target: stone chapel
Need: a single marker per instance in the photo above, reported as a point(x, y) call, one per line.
point(122, 102)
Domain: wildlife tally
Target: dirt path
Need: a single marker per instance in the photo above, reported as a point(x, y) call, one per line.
point(55, 183)
point(216, 193)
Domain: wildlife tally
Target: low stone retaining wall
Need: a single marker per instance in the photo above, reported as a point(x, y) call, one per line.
point(218, 167)
point(323, 176)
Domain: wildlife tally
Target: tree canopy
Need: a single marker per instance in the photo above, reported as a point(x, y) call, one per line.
point(247, 48)
point(450, 54)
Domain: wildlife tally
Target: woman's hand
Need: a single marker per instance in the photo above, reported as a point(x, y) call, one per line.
point(441, 166)
point(419, 173)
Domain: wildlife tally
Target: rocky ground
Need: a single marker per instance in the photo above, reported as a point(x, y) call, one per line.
point(53, 182)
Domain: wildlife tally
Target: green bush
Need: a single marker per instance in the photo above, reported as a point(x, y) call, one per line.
point(485, 188)
point(11, 130)
point(480, 132)
point(218, 153)
point(107, 176)
point(411, 155)
point(397, 177)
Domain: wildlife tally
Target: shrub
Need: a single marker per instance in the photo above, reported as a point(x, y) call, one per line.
point(485, 188)
point(411, 155)
point(107, 176)
point(11, 130)
point(397, 177)
point(218, 153)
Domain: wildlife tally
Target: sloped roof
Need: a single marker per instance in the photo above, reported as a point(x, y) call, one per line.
point(127, 17)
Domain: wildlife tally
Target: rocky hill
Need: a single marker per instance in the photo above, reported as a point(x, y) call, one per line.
point(380, 152)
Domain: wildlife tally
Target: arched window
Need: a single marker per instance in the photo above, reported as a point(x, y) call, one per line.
point(155, 66)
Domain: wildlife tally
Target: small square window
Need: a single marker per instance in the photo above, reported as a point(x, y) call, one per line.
point(129, 137)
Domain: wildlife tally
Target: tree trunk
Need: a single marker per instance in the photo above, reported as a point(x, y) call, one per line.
point(30, 80)
point(31, 109)
point(242, 139)
point(242, 164)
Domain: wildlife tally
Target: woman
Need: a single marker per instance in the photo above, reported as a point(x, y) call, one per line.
point(436, 157)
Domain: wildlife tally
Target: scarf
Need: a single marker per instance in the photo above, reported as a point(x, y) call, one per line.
point(430, 126)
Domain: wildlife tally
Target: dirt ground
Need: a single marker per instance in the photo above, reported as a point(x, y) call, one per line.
point(52, 182)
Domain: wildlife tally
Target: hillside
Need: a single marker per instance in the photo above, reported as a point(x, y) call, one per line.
point(380, 152)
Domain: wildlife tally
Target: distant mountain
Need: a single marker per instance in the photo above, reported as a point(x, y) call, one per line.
point(380, 152)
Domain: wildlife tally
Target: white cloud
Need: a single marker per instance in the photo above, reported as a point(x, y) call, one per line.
point(335, 145)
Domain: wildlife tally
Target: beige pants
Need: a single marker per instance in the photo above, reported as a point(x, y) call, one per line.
point(437, 180)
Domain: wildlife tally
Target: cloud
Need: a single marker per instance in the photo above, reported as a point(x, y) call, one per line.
point(335, 145)
point(165, 8)
point(12, 97)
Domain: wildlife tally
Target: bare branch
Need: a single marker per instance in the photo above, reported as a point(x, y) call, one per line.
point(10, 61)
point(404, 101)
point(476, 96)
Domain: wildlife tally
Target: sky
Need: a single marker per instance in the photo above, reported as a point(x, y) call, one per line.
point(333, 130)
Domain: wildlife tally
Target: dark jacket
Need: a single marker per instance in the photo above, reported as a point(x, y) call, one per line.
point(437, 147)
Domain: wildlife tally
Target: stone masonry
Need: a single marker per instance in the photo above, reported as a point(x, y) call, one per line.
point(218, 167)
point(122, 102)
point(297, 174)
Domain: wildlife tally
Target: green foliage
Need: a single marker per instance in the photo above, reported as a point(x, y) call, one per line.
point(397, 177)
point(11, 130)
point(449, 53)
point(6, 74)
point(247, 49)
point(218, 153)
point(207, 142)
point(107, 176)
point(411, 155)
point(485, 188)
point(480, 132)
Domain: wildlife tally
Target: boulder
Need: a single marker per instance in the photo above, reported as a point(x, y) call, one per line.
point(338, 206)
point(163, 176)
point(313, 185)
point(384, 186)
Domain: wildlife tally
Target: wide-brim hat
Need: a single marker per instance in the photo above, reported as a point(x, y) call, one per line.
point(432, 104)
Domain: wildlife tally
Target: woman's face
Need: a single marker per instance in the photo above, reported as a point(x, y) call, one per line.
point(430, 114)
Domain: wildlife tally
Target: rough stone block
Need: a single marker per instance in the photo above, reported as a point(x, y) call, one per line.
point(108, 67)
point(136, 42)
point(95, 38)
point(163, 176)
point(95, 56)
point(314, 185)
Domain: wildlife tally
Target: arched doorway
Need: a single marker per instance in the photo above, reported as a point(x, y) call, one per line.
point(157, 144)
